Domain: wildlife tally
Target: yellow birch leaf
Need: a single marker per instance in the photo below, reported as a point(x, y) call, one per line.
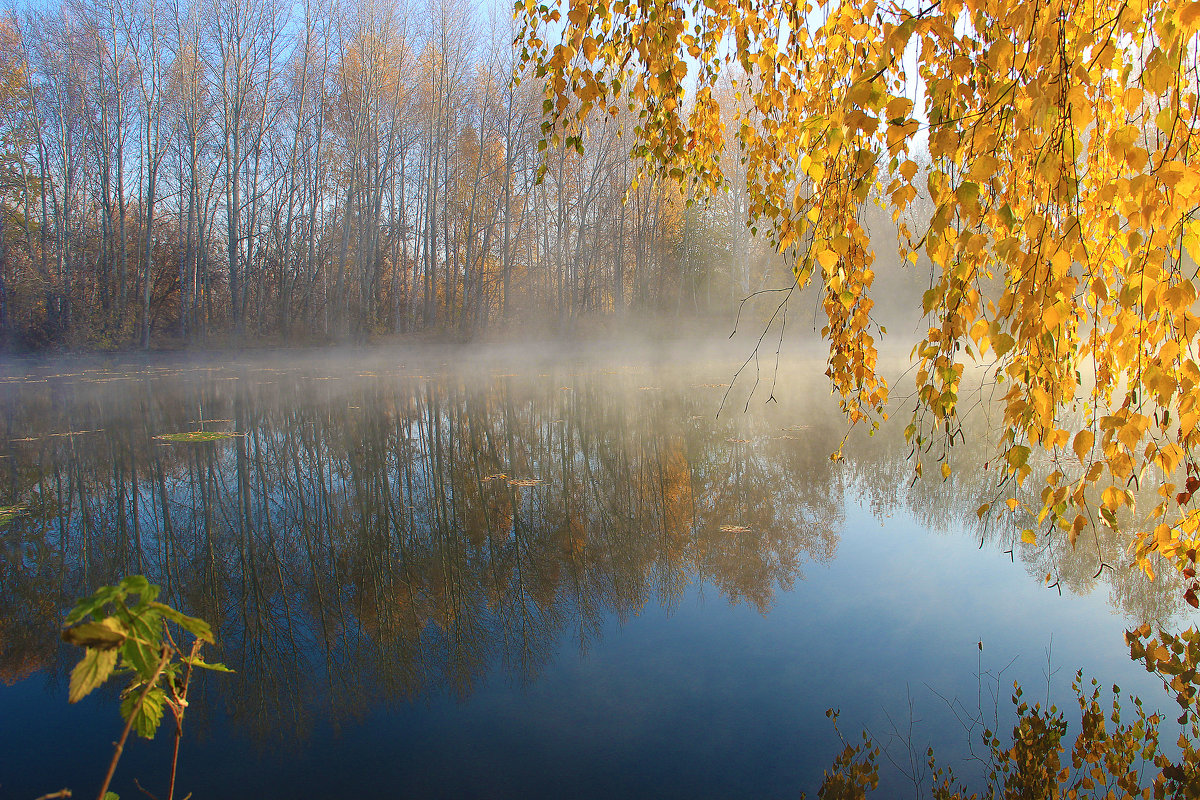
point(828, 259)
point(1083, 444)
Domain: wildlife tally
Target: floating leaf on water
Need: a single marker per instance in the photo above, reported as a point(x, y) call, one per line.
point(196, 436)
point(738, 441)
point(525, 481)
point(9, 513)
point(499, 476)
point(734, 529)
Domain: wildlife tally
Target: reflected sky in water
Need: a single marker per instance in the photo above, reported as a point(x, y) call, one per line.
point(453, 574)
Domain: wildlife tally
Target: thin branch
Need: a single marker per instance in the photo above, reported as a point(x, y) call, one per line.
point(120, 746)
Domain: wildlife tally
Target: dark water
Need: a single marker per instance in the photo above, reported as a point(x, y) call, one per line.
point(476, 574)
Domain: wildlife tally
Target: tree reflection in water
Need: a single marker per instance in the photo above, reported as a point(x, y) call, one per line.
point(376, 536)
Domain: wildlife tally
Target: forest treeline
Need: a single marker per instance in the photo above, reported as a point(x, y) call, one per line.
point(178, 171)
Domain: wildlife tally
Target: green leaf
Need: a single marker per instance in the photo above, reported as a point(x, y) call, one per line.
point(213, 666)
point(149, 715)
point(107, 634)
point(141, 656)
point(89, 605)
point(147, 624)
point(142, 652)
point(90, 672)
point(111, 796)
point(193, 625)
point(137, 584)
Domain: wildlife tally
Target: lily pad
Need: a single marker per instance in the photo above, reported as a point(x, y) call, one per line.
point(524, 482)
point(196, 436)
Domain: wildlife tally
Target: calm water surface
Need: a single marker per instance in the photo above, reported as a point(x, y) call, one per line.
point(485, 574)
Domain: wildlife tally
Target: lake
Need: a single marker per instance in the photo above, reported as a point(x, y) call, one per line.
point(501, 572)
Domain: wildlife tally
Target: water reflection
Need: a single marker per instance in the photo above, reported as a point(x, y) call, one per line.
point(379, 535)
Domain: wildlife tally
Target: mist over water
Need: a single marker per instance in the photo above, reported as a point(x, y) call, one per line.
point(512, 571)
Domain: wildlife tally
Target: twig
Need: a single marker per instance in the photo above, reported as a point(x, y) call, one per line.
point(1050, 671)
point(750, 297)
point(754, 353)
point(144, 790)
point(177, 711)
point(916, 770)
point(112, 767)
point(56, 795)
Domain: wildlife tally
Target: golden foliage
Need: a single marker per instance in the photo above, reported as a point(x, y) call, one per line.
point(1062, 183)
